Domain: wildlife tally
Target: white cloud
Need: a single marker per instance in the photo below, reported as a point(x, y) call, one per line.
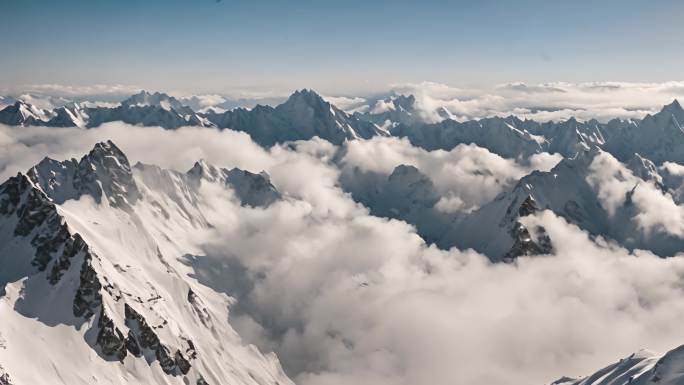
point(467, 176)
point(349, 299)
point(615, 183)
point(349, 104)
point(71, 90)
point(549, 101)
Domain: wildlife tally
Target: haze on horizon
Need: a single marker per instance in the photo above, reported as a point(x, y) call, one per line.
point(336, 48)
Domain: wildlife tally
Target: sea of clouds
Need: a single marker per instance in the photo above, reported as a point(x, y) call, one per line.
point(345, 298)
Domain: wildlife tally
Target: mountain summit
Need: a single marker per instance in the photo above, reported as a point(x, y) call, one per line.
point(303, 116)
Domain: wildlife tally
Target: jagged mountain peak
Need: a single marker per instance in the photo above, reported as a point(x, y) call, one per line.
point(674, 107)
point(156, 99)
point(205, 170)
point(307, 97)
point(103, 173)
point(306, 94)
point(251, 189)
point(106, 157)
point(405, 101)
point(670, 114)
point(646, 170)
point(22, 113)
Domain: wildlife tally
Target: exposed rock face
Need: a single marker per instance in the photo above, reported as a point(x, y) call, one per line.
point(528, 207)
point(38, 218)
point(252, 189)
point(142, 337)
point(110, 339)
point(523, 242)
point(88, 297)
point(5, 379)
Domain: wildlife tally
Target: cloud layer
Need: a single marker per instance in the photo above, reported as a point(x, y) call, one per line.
point(347, 298)
point(549, 101)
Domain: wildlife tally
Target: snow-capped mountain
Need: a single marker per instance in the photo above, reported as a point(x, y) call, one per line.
point(574, 190)
point(21, 113)
point(304, 115)
point(640, 368)
point(658, 137)
point(72, 115)
point(399, 109)
point(141, 109)
point(6, 101)
point(495, 134)
point(145, 115)
point(156, 99)
point(104, 291)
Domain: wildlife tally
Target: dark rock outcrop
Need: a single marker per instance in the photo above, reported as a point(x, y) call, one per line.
point(110, 339)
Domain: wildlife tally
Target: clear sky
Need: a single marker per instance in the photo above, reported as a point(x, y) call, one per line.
point(337, 46)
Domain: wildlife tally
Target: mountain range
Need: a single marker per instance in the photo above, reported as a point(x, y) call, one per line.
point(108, 282)
point(99, 255)
point(305, 114)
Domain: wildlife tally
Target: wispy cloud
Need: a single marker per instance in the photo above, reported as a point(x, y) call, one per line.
point(548, 101)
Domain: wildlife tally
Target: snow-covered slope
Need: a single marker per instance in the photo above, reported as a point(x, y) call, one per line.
point(95, 285)
point(495, 134)
point(640, 368)
point(72, 115)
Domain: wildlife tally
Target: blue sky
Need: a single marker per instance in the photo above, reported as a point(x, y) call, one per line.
point(336, 46)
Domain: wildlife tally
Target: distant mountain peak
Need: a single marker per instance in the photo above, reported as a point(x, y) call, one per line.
point(671, 111)
point(22, 113)
point(157, 99)
point(308, 96)
point(673, 107)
